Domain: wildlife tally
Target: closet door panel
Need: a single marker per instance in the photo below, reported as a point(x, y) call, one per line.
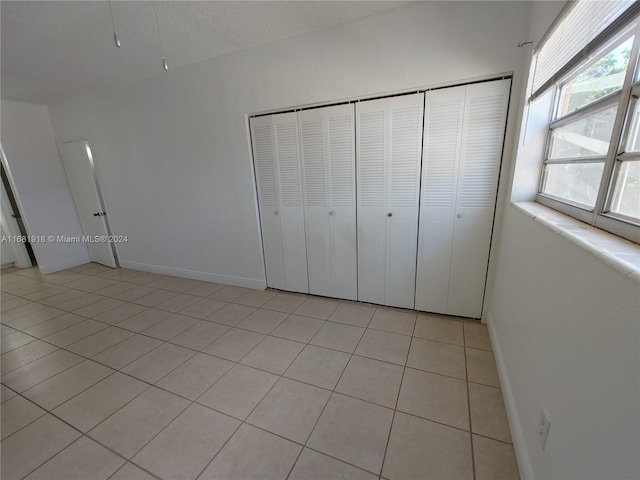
point(291, 201)
point(328, 161)
point(469, 269)
point(344, 259)
point(268, 199)
point(403, 188)
point(342, 193)
point(444, 113)
point(371, 165)
point(484, 126)
point(371, 259)
point(312, 128)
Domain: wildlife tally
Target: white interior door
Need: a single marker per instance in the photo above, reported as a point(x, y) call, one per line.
point(328, 163)
point(291, 203)
point(389, 138)
point(78, 164)
point(268, 200)
point(443, 117)
point(483, 137)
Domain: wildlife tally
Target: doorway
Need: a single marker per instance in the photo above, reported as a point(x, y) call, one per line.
point(77, 158)
point(14, 253)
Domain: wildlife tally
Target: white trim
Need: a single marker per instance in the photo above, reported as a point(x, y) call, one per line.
point(256, 203)
point(69, 263)
point(393, 93)
point(519, 444)
point(255, 284)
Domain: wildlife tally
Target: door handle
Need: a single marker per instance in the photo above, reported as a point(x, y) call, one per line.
point(459, 215)
point(99, 214)
point(332, 212)
point(389, 214)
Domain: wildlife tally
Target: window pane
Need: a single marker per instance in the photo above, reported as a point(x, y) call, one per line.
point(575, 182)
point(599, 80)
point(633, 138)
point(626, 197)
point(586, 137)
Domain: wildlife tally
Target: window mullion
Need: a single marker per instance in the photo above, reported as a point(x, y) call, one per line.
point(565, 161)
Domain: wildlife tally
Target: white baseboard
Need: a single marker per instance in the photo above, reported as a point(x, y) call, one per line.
point(519, 445)
point(196, 275)
point(70, 263)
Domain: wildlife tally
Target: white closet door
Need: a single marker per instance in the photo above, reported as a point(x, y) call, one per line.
point(312, 128)
point(268, 199)
point(371, 162)
point(279, 182)
point(291, 203)
point(388, 135)
point(342, 193)
point(463, 137)
point(328, 161)
point(443, 117)
point(403, 176)
point(483, 137)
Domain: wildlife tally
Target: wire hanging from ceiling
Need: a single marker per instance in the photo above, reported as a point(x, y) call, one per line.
point(165, 65)
point(116, 38)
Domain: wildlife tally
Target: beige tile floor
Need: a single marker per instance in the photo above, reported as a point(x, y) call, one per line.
point(119, 374)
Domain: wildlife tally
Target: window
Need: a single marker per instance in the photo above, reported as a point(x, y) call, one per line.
point(592, 160)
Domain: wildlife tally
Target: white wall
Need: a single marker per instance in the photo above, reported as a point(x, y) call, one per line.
point(567, 327)
point(40, 184)
point(173, 152)
point(566, 331)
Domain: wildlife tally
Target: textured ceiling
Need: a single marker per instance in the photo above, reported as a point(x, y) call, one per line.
point(54, 50)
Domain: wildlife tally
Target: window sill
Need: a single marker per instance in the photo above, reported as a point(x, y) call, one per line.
point(619, 253)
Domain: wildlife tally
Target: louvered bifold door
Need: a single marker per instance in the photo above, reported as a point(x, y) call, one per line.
point(328, 163)
point(481, 153)
point(291, 210)
point(388, 152)
point(264, 158)
point(443, 118)
point(403, 177)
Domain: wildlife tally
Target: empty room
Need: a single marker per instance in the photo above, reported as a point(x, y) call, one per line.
point(320, 240)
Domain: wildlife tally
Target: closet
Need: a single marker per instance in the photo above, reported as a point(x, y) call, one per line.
point(387, 201)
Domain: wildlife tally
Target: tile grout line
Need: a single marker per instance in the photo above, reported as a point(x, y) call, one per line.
point(238, 363)
point(257, 368)
point(352, 354)
point(243, 422)
point(466, 369)
point(333, 392)
point(82, 434)
point(395, 408)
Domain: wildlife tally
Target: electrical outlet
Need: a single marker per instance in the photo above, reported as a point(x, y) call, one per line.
point(543, 428)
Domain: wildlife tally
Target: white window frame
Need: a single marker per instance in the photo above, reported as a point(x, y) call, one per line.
point(600, 215)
